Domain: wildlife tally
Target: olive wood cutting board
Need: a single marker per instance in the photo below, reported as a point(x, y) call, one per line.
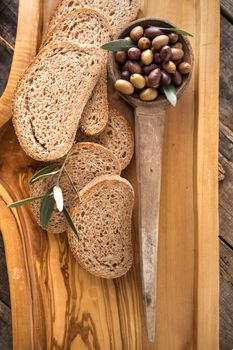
point(58, 305)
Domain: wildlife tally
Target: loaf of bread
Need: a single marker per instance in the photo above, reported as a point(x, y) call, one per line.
point(90, 27)
point(51, 96)
point(103, 219)
point(117, 136)
point(86, 161)
point(118, 12)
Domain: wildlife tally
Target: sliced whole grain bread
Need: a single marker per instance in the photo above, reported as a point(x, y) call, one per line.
point(103, 218)
point(84, 26)
point(86, 161)
point(118, 12)
point(47, 107)
point(95, 115)
point(90, 27)
point(117, 136)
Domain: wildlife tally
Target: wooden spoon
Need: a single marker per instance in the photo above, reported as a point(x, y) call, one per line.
point(149, 130)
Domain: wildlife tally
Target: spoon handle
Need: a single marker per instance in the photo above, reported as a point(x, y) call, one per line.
point(149, 129)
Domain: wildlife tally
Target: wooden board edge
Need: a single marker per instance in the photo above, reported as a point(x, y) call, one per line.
point(206, 322)
point(28, 29)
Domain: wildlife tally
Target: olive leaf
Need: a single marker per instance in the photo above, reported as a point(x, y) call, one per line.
point(46, 208)
point(177, 30)
point(119, 45)
point(24, 201)
point(170, 93)
point(49, 170)
point(70, 221)
point(71, 181)
point(58, 197)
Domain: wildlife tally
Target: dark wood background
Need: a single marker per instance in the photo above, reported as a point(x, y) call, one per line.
point(8, 24)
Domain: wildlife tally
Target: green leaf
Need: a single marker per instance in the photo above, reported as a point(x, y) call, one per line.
point(46, 208)
point(70, 221)
point(71, 181)
point(24, 201)
point(177, 30)
point(119, 45)
point(46, 171)
point(58, 196)
point(170, 93)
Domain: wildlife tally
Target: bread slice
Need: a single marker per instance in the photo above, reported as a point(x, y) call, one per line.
point(84, 26)
point(85, 162)
point(51, 96)
point(118, 12)
point(117, 136)
point(95, 115)
point(90, 27)
point(103, 218)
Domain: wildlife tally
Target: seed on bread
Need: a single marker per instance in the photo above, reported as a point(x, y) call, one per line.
point(103, 219)
point(117, 136)
point(86, 161)
point(47, 107)
point(118, 12)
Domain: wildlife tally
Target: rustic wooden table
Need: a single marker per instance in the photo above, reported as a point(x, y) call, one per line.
point(8, 23)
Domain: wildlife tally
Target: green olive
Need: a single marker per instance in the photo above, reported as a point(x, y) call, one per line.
point(148, 94)
point(147, 57)
point(138, 81)
point(169, 67)
point(160, 41)
point(144, 43)
point(124, 86)
point(136, 33)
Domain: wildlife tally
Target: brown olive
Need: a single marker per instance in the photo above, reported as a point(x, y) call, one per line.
point(173, 37)
point(165, 79)
point(134, 67)
point(184, 68)
point(136, 33)
point(134, 53)
point(165, 53)
point(157, 58)
point(148, 69)
point(126, 75)
point(152, 32)
point(160, 41)
point(149, 94)
point(124, 86)
point(178, 45)
point(177, 62)
point(169, 67)
point(146, 80)
point(144, 43)
point(120, 56)
point(147, 57)
point(177, 78)
point(176, 54)
point(138, 81)
point(154, 78)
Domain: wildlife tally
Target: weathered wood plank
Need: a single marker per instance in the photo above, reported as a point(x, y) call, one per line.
point(226, 76)
point(4, 284)
point(226, 297)
point(8, 20)
point(226, 201)
point(5, 327)
point(227, 8)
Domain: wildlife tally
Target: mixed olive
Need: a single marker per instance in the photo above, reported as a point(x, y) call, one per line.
point(155, 61)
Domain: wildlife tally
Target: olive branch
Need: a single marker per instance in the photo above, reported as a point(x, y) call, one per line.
point(54, 195)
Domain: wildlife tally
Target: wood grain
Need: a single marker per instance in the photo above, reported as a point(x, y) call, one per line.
point(56, 304)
